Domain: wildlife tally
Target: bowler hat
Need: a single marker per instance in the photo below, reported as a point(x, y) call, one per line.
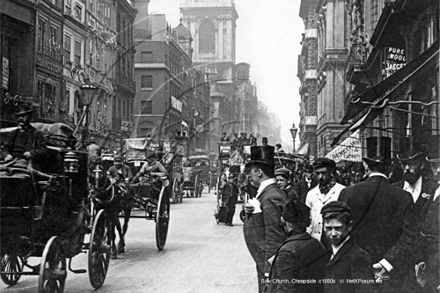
point(23, 110)
point(263, 155)
point(308, 167)
point(412, 154)
point(117, 158)
point(324, 163)
point(295, 211)
point(283, 172)
point(336, 207)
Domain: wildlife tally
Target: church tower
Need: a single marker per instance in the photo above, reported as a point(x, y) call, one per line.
point(212, 24)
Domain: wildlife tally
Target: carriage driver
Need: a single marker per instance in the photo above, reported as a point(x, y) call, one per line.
point(120, 171)
point(151, 166)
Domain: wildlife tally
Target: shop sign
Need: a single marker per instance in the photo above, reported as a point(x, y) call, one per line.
point(176, 104)
point(5, 73)
point(50, 66)
point(394, 60)
point(349, 150)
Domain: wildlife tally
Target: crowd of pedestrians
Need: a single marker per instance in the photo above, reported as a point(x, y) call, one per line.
point(324, 234)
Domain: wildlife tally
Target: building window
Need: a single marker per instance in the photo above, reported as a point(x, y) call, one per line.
point(78, 12)
point(207, 37)
point(146, 107)
point(147, 82)
point(146, 57)
point(91, 52)
point(144, 131)
point(41, 33)
point(67, 46)
point(78, 50)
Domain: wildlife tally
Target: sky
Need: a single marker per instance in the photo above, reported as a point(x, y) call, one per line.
point(268, 38)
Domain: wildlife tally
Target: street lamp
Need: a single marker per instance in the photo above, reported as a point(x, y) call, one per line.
point(293, 132)
point(88, 91)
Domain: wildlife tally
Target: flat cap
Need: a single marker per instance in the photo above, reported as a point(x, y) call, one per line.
point(336, 207)
point(324, 163)
point(282, 171)
point(296, 211)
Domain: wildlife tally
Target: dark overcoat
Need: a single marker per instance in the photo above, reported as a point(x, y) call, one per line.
point(379, 210)
point(350, 270)
point(302, 188)
point(262, 233)
point(299, 265)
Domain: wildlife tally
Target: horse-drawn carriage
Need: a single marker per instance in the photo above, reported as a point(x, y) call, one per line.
point(46, 213)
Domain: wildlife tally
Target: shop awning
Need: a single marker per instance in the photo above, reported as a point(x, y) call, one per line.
point(304, 150)
point(364, 100)
point(384, 89)
point(349, 150)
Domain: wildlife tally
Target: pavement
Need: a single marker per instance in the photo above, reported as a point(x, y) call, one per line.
point(199, 256)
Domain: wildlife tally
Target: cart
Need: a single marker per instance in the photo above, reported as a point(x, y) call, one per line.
point(151, 193)
point(191, 185)
point(45, 213)
point(202, 165)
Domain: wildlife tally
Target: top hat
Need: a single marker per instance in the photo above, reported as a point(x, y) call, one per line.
point(262, 154)
point(378, 150)
point(295, 211)
point(23, 110)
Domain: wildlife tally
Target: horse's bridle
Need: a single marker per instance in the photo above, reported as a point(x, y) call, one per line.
point(110, 186)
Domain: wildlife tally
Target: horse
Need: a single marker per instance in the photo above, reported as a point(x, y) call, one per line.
point(114, 197)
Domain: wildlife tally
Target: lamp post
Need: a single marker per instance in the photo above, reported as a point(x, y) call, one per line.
point(293, 132)
point(88, 91)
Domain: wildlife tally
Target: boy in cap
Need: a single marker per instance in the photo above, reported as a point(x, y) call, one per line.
point(229, 198)
point(299, 265)
point(326, 191)
point(282, 177)
point(347, 260)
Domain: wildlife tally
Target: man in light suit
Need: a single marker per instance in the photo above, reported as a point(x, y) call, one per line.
point(262, 233)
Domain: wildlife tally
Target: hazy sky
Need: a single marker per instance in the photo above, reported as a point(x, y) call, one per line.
point(268, 38)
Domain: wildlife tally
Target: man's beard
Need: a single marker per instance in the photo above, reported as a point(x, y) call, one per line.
point(411, 178)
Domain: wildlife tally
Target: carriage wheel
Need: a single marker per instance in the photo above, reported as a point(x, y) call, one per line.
point(181, 192)
point(175, 192)
point(53, 271)
point(162, 219)
point(12, 266)
point(99, 250)
point(196, 186)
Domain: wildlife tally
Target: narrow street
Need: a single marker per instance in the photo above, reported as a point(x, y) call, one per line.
point(199, 256)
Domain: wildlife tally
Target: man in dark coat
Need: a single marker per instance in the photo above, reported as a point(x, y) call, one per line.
point(299, 265)
point(229, 198)
point(24, 143)
point(349, 268)
point(378, 210)
point(282, 177)
point(307, 183)
point(262, 232)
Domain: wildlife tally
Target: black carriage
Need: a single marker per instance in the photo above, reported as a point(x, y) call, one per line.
point(151, 192)
point(45, 213)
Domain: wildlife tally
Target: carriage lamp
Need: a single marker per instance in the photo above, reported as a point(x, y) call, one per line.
point(71, 163)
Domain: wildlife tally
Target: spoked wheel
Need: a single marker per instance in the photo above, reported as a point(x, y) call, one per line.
point(176, 188)
point(53, 271)
point(12, 266)
point(196, 186)
point(162, 219)
point(99, 250)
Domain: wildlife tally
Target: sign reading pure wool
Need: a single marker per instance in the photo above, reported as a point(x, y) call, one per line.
point(394, 59)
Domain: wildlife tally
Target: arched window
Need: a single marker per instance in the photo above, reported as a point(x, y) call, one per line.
point(207, 37)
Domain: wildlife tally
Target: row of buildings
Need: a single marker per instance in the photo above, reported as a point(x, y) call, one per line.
point(369, 72)
point(153, 79)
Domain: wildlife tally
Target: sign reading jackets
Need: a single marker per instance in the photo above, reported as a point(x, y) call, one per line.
point(349, 150)
point(394, 60)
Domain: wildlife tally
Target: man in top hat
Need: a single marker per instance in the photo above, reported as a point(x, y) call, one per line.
point(26, 142)
point(378, 209)
point(301, 258)
point(346, 260)
point(262, 233)
point(282, 177)
point(326, 191)
point(308, 182)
